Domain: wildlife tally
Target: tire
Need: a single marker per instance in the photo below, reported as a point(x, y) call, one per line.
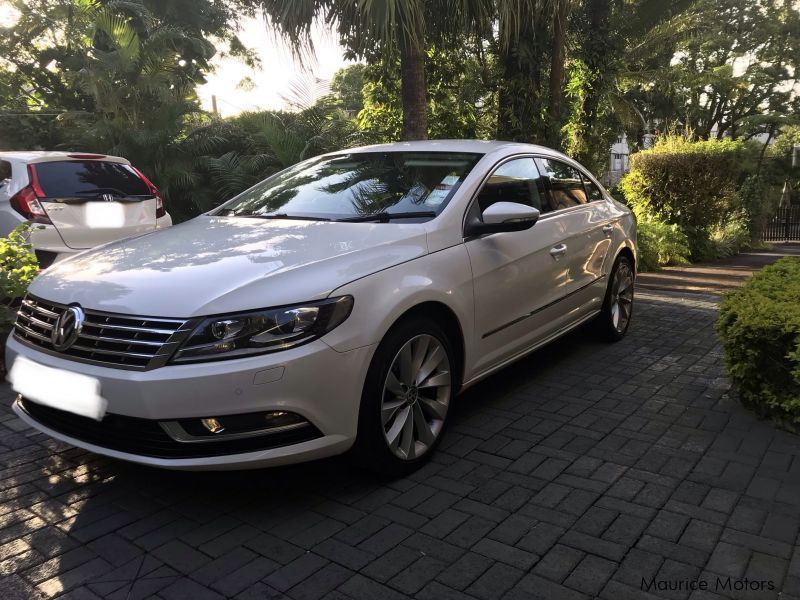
point(615, 317)
point(415, 351)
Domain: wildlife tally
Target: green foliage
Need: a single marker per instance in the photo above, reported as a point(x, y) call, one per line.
point(689, 184)
point(759, 326)
point(18, 267)
point(347, 87)
point(660, 244)
point(461, 103)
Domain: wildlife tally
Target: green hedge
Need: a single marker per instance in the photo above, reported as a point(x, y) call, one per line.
point(690, 184)
point(759, 325)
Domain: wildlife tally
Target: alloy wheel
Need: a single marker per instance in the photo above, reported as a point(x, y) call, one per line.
point(622, 297)
point(416, 397)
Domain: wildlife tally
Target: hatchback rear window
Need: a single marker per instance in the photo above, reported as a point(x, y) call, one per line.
point(89, 178)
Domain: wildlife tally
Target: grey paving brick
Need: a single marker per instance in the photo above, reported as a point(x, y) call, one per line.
point(186, 589)
point(728, 559)
point(181, 557)
point(558, 562)
point(321, 583)
point(393, 562)
point(417, 575)
point(296, 571)
point(637, 565)
point(591, 574)
point(274, 548)
point(533, 587)
point(385, 539)
point(465, 570)
point(494, 582)
point(359, 587)
point(504, 553)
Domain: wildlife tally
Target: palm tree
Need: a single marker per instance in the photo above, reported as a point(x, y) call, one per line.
point(402, 26)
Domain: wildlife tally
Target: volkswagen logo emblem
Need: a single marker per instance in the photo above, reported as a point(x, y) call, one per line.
point(67, 328)
point(108, 197)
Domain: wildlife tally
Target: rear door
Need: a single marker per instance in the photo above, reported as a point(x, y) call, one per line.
point(92, 202)
point(586, 230)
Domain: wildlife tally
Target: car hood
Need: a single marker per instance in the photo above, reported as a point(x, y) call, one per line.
point(212, 265)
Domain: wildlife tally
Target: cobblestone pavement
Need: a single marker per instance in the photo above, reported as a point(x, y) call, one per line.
point(572, 474)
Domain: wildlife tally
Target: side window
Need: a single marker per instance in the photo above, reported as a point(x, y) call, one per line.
point(517, 180)
point(591, 189)
point(564, 184)
point(5, 170)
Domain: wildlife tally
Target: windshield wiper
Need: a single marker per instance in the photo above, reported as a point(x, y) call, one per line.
point(283, 216)
point(385, 217)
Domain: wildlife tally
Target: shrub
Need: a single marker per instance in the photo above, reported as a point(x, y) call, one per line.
point(18, 266)
point(660, 244)
point(759, 326)
point(732, 236)
point(689, 184)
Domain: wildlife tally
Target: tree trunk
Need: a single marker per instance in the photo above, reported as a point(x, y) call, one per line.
point(557, 68)
point(412, 89)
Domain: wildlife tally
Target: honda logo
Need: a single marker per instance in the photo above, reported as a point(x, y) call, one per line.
point(67, 328)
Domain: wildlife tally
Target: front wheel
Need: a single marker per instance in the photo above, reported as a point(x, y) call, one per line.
point(406, 398)
point(615, 316)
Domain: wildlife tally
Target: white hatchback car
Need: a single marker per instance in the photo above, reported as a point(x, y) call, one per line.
point(342, 302)
point(76, 201)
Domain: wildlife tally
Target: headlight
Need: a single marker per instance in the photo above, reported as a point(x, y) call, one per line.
point(259, 332)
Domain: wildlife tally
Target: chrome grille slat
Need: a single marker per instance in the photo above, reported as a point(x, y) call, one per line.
point(40, 309)
point(111, 352)
point(130, 342)
point(30, 332)
point(35, 321)
point(122, 341)
point(129, 328)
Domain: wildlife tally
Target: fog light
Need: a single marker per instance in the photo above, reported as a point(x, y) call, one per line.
point(212, 425)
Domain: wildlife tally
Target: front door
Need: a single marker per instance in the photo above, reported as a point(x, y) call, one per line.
point(518, 276)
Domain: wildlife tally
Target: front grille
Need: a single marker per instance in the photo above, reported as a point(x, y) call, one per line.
point(127, 342)
point(145, 437)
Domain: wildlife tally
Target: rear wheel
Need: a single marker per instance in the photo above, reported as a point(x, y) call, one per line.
point(406, 398)
point(615, 317)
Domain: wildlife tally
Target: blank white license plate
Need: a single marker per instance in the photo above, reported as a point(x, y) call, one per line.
point(101, 215)
point(57, 388)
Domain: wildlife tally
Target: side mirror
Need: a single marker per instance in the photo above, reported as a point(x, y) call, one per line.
point(503, 216)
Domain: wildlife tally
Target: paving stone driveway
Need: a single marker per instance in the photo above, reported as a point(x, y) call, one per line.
point(573, 474)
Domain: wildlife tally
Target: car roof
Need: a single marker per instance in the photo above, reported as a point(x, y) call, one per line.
point(476, 146)
point(40, 156)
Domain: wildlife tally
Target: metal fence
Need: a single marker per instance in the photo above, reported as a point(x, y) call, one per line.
point(784, 226)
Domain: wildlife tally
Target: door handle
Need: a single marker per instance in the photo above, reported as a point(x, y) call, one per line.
point(557, 251)
point(607, 229)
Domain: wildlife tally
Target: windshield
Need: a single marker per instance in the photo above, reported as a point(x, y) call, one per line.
point(357, 185)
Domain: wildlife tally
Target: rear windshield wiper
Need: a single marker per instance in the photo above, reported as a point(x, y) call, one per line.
point(283, 216)
point(384, 217)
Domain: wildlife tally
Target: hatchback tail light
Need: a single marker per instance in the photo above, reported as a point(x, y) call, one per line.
point(161, 211)
point(26, 201)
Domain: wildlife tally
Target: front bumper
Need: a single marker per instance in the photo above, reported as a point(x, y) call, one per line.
point(314, 381)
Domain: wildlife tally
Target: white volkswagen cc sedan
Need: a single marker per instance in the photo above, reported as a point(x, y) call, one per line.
point(342, 303)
